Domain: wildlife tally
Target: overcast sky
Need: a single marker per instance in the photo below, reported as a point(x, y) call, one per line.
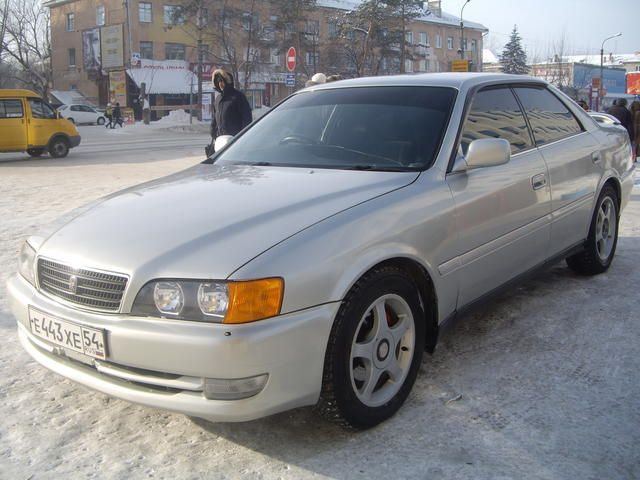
point(585, 23)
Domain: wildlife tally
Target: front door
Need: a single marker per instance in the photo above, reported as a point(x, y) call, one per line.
point(13, 127)
point(42, 122)
point(502, 212)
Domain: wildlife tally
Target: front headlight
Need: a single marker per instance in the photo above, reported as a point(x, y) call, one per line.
point(26, 263)
point(211, 301)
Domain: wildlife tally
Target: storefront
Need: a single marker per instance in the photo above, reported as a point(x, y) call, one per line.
point(169, 84)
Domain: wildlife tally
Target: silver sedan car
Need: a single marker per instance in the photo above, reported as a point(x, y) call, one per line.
point(315, 257)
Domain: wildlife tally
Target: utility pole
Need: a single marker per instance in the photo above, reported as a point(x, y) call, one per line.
point(602, 67)
point(201, 26)
point(462, 31)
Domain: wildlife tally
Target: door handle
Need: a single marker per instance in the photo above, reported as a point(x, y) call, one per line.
point(539, 181)
point(595, 157)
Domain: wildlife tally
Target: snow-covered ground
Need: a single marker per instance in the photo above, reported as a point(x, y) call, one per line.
point(541, 384)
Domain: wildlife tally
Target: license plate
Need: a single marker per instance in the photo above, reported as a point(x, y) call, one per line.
point(79, 338)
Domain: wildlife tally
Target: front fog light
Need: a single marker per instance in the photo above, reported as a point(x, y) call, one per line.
point(168, 297)
point(213, 299)
point(234, 389)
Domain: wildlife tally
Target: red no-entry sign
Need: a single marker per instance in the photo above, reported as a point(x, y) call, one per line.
point(291, 59)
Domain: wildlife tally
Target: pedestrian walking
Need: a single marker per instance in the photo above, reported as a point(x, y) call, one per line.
point(584, 105)
point(108, 113)
point(117, 116)
point(231, 110)
point(620, 111)
point(635, 117)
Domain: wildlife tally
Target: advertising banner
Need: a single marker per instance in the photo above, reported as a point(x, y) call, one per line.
point(91, 49)
point(112, 43)
point(633, 83)
point(118, 87)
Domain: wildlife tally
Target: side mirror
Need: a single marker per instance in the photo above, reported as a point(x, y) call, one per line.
point(485, 152)
point(221, 142)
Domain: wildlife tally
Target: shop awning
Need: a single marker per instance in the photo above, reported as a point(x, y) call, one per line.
point(176, 81)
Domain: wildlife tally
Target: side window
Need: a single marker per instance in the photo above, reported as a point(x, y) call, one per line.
point(39, 109)
point(550, 119)
point(76, 108)
point(495, 113)
point(11, 109)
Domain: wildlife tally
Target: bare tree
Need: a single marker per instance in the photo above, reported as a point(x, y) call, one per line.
point(4, 14)
point(27, 42)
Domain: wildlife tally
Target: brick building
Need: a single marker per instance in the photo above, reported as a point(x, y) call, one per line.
point(97, 47)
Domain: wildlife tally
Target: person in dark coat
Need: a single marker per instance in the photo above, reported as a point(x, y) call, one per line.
point(231, 110)
point(620, 111)
point(117, 116)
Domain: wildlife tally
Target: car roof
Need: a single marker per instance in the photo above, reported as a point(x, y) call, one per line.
point(459, 81)
point(9, 92)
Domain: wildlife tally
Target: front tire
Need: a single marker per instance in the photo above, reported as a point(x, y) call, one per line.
point(374, 350)
point(602, 241)
point(101, 121)
point(59, 148)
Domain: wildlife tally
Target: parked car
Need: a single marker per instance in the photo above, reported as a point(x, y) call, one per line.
point(315, 257)
point(29, 124)
point(606, 119)
point(82, 114)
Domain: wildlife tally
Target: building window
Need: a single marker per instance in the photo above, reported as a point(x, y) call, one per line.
point(174, 51)
point(450, 43)
point(146, 50)
point(424, 39)
point(422, 66)
point(474, 45)
point(409, 37)
point(70, 22)
point(312, 29)
point(274, 56)
point(145, 13)
point(408, 66)
point(313, 58)
point(250, 21)
point(173, 15)
point(202, 19)
point(438, 41)
point(72, 58)
point(288, 30)
point(100, 18)
point(332, 27)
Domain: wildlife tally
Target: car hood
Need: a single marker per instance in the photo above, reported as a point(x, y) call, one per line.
point(209, 220)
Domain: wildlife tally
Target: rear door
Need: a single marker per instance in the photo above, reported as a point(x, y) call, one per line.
point(574, 160)
point(13, 127)
point(502, 212)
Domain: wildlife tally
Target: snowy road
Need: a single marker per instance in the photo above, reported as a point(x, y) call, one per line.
point(546, 377)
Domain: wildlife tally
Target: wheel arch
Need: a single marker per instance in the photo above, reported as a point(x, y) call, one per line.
point(57, 136)
point(426, 289)
point(615, 183)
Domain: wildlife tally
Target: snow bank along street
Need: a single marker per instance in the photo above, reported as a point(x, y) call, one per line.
point(542, 383)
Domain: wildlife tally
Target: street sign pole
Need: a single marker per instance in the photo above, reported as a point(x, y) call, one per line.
point(291, 62)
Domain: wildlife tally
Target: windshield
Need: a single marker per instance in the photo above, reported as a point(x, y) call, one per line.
point(370, 128)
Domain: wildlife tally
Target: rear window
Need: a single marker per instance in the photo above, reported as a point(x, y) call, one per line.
point(11, 109)
point(550, 119)
point(369, 128)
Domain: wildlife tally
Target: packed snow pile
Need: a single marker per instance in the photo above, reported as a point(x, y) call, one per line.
point(175, 117)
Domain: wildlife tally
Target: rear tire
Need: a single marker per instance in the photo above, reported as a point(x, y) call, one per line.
point(35, 152)
point(602, 241)
point(374, 350)
point(59, 148)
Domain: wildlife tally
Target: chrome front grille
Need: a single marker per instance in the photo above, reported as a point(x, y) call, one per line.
point(87, 288)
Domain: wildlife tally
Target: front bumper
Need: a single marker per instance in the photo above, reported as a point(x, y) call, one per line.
point(74, 141)
point(160, 363)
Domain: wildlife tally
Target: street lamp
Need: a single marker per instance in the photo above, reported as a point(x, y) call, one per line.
point(602, 63)
point(462, 31)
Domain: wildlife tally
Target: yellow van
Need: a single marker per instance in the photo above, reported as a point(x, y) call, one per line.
point(29, 124)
